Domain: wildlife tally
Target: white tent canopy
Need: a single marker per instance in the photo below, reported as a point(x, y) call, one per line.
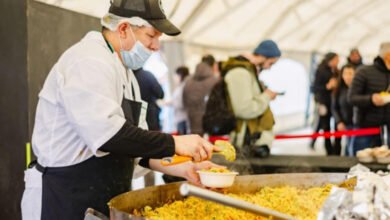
point(300, 27)
point(296, 25)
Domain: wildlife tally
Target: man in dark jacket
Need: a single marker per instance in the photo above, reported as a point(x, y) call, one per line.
point(364, 93)
point(150, 91)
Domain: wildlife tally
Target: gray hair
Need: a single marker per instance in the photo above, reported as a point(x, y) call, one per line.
point(384, 49)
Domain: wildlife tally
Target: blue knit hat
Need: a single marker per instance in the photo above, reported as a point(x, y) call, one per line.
point(267, 48)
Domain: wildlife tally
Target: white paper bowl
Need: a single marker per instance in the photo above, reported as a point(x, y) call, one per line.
point(367, 159)
point(386, 98)
point(383, 160)
point(217, 180)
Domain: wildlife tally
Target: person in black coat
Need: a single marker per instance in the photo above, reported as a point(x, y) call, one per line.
point(355, 58)
point(151, 91)
point(364, 93)
point(324, 82)
point(342, 109)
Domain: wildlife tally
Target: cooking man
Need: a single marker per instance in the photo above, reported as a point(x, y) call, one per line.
point(90, 119)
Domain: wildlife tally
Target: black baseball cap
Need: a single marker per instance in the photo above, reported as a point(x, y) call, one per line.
point(150, 10)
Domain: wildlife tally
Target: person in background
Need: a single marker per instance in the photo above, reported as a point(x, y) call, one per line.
point(151, 91)
point(250, 99)
point(324, 82)
point(196, 91)
point(342, 109)
point(355, 58)
point(176, 101)
point(180, 113)
point(218, 69)
point(181, 117)
point(364, 93)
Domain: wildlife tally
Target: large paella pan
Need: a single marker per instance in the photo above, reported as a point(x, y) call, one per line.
point(123, 206)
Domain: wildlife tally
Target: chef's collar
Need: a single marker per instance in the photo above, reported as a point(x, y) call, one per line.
point(109, 45)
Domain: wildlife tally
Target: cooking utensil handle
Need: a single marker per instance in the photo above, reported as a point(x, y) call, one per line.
point(189, 190)
point(168, 161)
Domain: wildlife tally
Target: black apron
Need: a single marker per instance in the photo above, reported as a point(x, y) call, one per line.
point(68, 191)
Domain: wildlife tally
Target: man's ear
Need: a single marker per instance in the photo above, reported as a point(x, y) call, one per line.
point(122, 29)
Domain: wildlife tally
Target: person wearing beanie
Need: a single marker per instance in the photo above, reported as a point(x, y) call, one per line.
point(267, 48)
point(250, 99)
point(90, 132)
point(264, 55)
point(371, 110)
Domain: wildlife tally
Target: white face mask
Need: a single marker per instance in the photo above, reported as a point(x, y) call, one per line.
point(137, 56)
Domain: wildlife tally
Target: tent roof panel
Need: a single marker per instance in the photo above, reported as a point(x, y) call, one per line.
point(301, 25)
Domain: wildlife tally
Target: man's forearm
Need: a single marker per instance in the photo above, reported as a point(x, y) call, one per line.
point(137, 142)
point(361, 100)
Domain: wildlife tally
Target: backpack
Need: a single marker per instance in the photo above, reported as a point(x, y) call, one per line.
point(218, 118)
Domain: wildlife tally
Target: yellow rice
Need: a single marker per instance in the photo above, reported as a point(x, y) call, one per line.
point(299, 203)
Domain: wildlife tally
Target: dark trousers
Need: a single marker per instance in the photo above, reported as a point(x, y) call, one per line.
point(182, 127)
point(324, 125)
point(362, 142)
point(349, 145)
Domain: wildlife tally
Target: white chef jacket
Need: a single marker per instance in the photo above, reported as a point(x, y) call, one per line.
point(79, 109)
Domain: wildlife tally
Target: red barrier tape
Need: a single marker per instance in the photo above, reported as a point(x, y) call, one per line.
point(212, 139)
point(348, 133)
point(360, 132)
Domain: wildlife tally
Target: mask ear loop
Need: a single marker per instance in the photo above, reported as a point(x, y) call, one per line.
point(120, 41)
point(132, 34)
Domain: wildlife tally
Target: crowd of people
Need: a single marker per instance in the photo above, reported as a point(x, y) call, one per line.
point(248, 97)
point(351, 96)
point(346, 98)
